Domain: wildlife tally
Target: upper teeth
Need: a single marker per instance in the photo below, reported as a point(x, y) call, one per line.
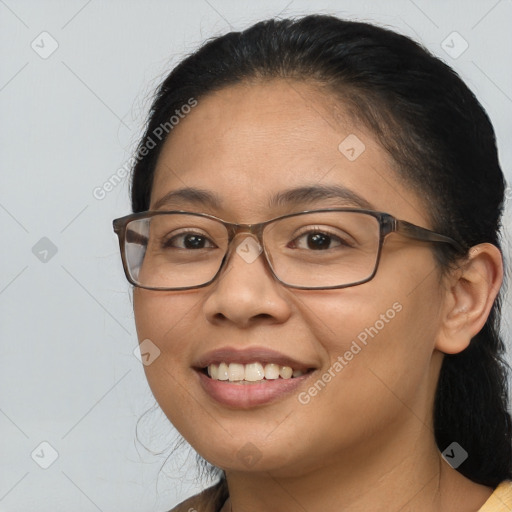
point(251, 372)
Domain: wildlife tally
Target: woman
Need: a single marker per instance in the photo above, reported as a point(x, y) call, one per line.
point(347, 358)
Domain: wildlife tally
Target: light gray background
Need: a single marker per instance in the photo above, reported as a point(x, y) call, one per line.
point(69, 122)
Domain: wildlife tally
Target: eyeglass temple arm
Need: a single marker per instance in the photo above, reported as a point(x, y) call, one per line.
point(418, 233)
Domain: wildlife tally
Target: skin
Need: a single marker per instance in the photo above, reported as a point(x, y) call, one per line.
point(366, 440)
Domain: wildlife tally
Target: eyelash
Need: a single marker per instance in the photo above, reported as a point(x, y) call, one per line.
point(166, 241)
point(322, 231)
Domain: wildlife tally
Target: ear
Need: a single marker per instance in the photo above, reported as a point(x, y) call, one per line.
point(470, 294)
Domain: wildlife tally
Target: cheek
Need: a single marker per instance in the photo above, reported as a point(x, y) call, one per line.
point(157, 311)
point(163, 321)
point(379, 347)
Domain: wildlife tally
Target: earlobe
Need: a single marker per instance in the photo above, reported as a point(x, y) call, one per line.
point(471, 291)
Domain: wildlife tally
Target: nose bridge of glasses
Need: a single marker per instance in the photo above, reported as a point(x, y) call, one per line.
point(242, 231)
point(249, 243)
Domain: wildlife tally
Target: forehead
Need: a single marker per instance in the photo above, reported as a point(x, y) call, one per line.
point(249, 142)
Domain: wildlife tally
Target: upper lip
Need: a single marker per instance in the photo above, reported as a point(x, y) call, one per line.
point(250, 355)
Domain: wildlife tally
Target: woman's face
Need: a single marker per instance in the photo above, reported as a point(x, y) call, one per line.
point(370, 349)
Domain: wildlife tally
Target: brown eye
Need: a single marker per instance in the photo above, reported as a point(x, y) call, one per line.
point(190, 241)
point(318, 241)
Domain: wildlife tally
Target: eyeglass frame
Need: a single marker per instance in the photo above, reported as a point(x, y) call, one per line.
point(387, 224)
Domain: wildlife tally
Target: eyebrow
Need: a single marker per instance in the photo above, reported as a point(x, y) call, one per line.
point(299, 196)
point(190, 195)
point(314, 193)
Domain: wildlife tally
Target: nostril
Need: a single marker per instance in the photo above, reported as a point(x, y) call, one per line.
point(220, 316)
point(262, 316)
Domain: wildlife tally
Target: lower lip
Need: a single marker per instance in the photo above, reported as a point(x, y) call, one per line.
point(244, 396)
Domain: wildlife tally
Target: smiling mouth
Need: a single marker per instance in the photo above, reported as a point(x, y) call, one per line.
point(255, 372)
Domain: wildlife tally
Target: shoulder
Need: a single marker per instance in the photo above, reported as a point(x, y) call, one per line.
point(500, 500)
point(206, 501)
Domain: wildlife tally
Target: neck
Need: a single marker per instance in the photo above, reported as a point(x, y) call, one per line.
point(406, 472)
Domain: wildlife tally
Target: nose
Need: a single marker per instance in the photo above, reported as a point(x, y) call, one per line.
point(246, 292)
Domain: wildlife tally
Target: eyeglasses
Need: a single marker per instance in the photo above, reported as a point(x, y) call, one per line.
point(314, 250)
